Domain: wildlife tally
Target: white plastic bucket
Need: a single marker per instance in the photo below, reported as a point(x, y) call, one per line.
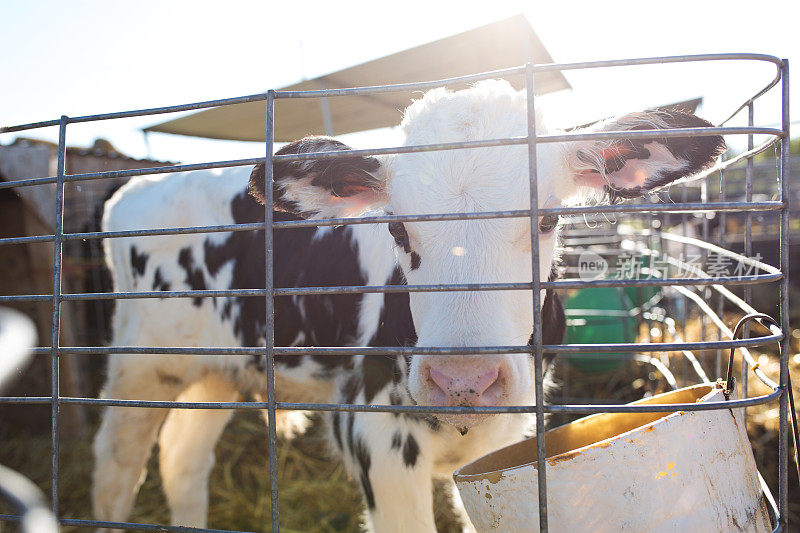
point(681, 471)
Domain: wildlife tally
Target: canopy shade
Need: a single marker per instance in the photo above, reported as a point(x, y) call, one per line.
point(507, 43)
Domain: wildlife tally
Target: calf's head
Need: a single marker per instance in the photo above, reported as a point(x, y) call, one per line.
point(481, 251)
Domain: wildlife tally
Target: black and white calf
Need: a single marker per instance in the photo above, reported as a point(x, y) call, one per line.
point(393, 457)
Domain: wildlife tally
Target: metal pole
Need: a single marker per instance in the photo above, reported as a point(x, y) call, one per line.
point(748, 245)
point(327, 117)
point(58, 231)
point(721, 232)
point(536, 280)
point(269, 303)
point(783, 434)
point(704, 261)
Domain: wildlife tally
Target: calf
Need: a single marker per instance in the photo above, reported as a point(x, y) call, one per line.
point(394, 457)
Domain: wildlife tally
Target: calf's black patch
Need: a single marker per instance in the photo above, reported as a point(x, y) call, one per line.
point(159, 283)
point(337, 429)
point(340, 177)
point(195, 278)
point(397, 440)
point(138, 262)
point(300, 260)
point(410, 451)
point(362, 455)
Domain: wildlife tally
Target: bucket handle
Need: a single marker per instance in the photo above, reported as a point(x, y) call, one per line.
point(730, 382)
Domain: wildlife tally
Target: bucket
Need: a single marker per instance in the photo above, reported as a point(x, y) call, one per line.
point(680, 471)
point(599, 315)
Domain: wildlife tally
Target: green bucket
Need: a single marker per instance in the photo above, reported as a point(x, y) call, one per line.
point(601, 315)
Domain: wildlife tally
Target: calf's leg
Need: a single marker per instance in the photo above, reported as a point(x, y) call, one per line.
point(386, 455)
point(126, 436)
point(186, 449)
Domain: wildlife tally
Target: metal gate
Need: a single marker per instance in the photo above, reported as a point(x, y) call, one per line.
point(682, 284)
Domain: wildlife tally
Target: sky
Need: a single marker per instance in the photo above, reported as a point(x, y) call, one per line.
point(83, 57)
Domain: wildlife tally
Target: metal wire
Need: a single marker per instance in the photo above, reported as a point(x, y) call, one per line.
point(565, 211)
point(270, 316)
point(783, 431)
point(531, 140)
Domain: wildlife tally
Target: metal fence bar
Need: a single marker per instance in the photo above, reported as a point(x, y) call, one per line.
point(135, 526)
point(257, 226)
point(748, 244)
point(783, 433)
point(537, 348)
point(510, 141)
point(412, 86)
point(269, 302)
point(365, 289)
point(389, 289)
point(667, 133)
point(58, 225)
point(141, 527)
point(533, 181)
point(418, 409)
point(721, 233)
point(747, 260)
point(420, 350)
point(140, 112)
point(549, 67)
point(704, 198)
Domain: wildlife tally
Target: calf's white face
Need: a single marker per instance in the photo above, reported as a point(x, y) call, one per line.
point(485, 251)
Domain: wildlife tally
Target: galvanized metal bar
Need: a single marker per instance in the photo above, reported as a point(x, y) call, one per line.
point(480, 215)
point(708, 312)
point(749, 101)
point(55, 325)
point(655, 60)
point(509, 141)
point(538, 372)
point(721, 232)
point(27, 240)
point(667, 133)
point(745, 259)
point(418, 409)
point(134, 172)
point(124, 525)
point(188, 167)
point(693, 207)
point(220, 228)
point(140, 112)
point(366, 289)
point(403, 87)
point(549, 67)
point(704, 254)
point(783, 433)
point(748, 244)
point(420, 350)
point(443, 287)
point(684, 307)
point(141, 527)
point(269, 303)
point(718, 321)
point(400, 87)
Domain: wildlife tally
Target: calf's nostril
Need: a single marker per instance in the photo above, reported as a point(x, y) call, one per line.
point(441, 380)
point(486, 380)
point(456, 386)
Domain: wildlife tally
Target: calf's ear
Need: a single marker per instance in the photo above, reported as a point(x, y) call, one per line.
point(321, 188)
point(626, 168)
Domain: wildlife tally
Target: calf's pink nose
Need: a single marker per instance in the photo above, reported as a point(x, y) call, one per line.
point(454, 388)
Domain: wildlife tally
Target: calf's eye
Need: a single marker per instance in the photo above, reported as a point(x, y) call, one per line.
point(548, 223)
